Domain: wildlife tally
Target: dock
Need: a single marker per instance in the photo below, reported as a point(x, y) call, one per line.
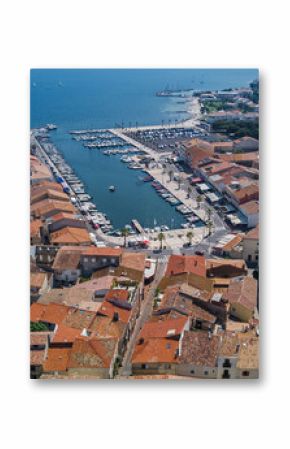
point(137, 226)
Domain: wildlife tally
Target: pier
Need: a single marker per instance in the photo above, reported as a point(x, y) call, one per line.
point(137, 226)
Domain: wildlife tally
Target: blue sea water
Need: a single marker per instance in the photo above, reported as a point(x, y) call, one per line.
point(104, 98)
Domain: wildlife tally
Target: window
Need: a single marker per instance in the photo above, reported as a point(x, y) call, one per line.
point(245, 373)
point(257, 257)
point(192, 371)
point(93, 260)
point(104, 260)
point(206, 373)
point(249, 257)
point(85, 259)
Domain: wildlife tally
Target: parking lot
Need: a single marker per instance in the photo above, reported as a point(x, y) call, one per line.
point(164, 139)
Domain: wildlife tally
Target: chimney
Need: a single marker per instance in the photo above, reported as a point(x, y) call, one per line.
point(116, 316)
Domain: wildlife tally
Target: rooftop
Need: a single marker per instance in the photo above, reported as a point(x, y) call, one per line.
point(102, 252)
point(186, 264)
point(57, 359)
point(243, 291)
point(249, 352)
point(170, 328)
point(253, 234)
point(199, 348)
point(251, 207)
point(156, 350)
point(134, 261)
point(92, 352)
point(37, 279)
point(78, 318)
point(67, 258)
point(67, 296)
point(70, 235)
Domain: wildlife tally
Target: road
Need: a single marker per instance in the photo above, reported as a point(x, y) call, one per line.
point(146, 312)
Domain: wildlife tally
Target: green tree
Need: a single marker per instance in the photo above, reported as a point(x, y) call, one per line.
point(199, 200)
point(161, 237)
point(189, 235)
point(38, 327)
point(125, 234)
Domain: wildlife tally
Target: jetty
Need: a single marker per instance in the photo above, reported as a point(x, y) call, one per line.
point(137, 226)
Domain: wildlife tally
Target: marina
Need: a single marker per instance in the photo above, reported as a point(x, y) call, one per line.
point(179, 216)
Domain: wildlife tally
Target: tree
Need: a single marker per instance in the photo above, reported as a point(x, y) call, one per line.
point(125, 234)
point(38, 327)
point(161, 237)
point(209, 225)
point(198, 200)
point(209, 213)
point(189, 235)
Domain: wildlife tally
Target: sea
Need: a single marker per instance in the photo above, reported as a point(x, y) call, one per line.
point(106, 98)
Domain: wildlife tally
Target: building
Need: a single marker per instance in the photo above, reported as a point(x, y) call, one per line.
point(251, 247)
point(70, 236)
point(251, 212)
point(242, 297)
point(39, 342)
point(93, 356)
point(35, 232)
point(47, 193)
point(39, 171)
point(245, 143)
point(39, 284)
point(66, 265)
point(48, 207)
point(198, 355)
point(155, 356)
point(93, 259)
point(229, 246)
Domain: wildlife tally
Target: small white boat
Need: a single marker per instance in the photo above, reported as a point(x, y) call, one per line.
point(112, 188)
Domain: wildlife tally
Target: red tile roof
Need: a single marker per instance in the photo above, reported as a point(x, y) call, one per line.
point(108, 309)
point(134, 261)
point(69, 235)
point(57, 359)
point(117, 293)
point(253, 234)
point(186, 264)
point(164, 329)
point(92, 353)
point(51, 313)
point(200, 349)
point(65, 334)
point(155, 350)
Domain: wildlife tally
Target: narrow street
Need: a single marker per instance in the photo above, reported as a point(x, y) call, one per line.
point(146, 311)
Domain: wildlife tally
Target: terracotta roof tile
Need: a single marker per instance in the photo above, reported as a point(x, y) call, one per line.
point(198, 348)
point(92, 353)
point(155, 350)
point(70, 235)
point(186, 264)
point(134, 261)
point(164, 329)
point(57, 359)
